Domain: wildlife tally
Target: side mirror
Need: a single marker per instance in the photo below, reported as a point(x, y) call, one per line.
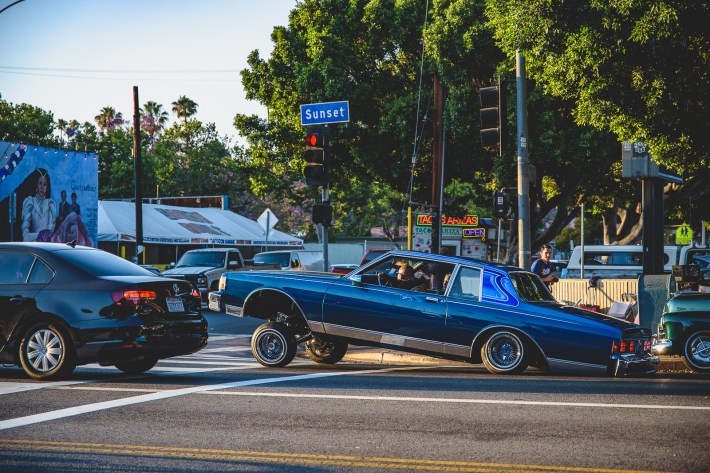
point(233, 264)
point(356, 280)
point(171, 265)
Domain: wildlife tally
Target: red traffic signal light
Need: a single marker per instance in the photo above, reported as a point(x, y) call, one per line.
point(315, 139)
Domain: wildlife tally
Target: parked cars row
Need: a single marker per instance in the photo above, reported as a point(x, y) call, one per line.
point(63, 306)
point(450, 307)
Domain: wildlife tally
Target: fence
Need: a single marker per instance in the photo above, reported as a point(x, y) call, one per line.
point(573, 290)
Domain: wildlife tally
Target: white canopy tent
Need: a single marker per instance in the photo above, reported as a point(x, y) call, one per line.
point(170, 225)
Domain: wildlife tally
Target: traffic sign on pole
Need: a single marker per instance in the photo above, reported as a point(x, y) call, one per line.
point(322, 113)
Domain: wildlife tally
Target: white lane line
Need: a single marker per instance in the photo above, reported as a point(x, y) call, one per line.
point(99, 406)
point(7, 387)
point(456, 401)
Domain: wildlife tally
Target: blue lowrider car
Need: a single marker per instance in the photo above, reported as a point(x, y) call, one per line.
point(450, 307)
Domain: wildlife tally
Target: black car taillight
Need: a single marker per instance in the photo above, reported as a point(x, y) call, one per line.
point(133, 297)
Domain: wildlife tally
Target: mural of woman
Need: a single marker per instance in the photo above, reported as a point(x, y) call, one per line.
point(39, 210)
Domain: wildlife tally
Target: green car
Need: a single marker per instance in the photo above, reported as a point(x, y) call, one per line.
point(684, 329)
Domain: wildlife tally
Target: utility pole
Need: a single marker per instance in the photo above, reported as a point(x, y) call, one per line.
point(137, 173)
point(523, 184)
point(436, 166)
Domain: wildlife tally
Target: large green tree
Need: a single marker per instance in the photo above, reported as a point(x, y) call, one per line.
point(26, 123)
point(637, 68)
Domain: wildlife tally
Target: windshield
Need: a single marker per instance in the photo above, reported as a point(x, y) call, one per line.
point(282, 259)
point(214, 259)
point(530, 287)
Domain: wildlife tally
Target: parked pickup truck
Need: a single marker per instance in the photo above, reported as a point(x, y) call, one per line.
point(451, 307)
point(204, 267)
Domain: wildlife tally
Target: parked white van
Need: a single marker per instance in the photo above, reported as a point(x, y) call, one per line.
point(291, 260)
point(615, 261)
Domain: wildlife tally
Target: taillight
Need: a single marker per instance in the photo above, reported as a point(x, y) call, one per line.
point(629, 346)
point(133, 297)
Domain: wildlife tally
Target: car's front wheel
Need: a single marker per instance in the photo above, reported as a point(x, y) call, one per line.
point(273, 344)
point(504, 353)
point(696, 352)
point(326, 351)
point(137, 366)
point(46, 352)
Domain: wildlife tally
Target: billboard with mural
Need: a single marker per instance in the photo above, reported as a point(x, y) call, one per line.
point(48, 194)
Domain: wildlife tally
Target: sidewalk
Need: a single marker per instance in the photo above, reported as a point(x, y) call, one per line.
point(358, 354)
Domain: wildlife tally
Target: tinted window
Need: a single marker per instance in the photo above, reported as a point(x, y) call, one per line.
point(41, 274)
point(467, 284)
point(100, 263)
point(15, 266)
point(530, 287)
point(234, 259)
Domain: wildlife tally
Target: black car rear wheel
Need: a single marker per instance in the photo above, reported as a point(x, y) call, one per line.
point(46, 352)
point(273, 344)
point(327, 352)
point(137, 366)
point(696, 352)
point(504, 353)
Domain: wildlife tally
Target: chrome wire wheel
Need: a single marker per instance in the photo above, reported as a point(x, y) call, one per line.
point(328, 352)
point(697, 352)
point(273, 345)
point(44, 350)
point(504, 353)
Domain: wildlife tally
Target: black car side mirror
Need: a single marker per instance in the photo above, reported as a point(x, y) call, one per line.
point(356, 280)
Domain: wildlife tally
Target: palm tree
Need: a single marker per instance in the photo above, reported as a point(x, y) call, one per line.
point(184, 107)
point(109, 119)
point(61, 126)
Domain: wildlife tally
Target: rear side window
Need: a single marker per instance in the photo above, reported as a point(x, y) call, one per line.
point(41, 274)
point(15, 266)
point(467, 284)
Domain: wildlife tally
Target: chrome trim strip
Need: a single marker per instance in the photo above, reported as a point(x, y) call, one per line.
point(316, 326)
point(396, 340)
point(575, 366)
point(233, 310)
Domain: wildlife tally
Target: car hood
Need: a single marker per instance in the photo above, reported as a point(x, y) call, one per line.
point(188, 270)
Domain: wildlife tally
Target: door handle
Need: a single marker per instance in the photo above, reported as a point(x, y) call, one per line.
point(432, 299)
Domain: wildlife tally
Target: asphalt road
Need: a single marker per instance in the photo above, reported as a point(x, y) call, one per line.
point(218, 410)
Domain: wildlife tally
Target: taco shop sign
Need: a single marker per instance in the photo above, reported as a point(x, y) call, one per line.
point(446, 221)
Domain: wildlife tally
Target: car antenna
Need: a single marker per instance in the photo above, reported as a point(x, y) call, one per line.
point(72, 243)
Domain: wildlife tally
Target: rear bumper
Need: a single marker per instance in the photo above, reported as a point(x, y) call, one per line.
point(138, 342)
point(634, 364)
point(661, 347)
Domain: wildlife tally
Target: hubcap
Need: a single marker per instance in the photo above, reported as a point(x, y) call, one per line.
point(271, 346)
point(504, 351)
point(700, 349)
point(44, 350)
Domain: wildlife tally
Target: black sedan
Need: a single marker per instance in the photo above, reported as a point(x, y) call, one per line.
point(63, 306)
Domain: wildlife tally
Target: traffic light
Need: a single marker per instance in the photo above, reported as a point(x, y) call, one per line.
point(493, 116)
point(316, 157)
point(323, 214)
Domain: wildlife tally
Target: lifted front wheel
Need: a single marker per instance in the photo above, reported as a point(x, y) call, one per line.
point(273, 345)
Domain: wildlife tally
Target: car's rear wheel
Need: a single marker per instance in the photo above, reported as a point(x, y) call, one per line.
point(273, 344)
point(137, 366)
point(46, 352)
point(326, 351)
point(504, 353)
point(696, 352)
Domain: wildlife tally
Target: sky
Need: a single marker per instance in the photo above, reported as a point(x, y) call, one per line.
point(74, 57)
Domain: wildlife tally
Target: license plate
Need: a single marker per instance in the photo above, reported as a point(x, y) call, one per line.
point(175, 304)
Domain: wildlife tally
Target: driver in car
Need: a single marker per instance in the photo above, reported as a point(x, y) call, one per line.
point(404, 280)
